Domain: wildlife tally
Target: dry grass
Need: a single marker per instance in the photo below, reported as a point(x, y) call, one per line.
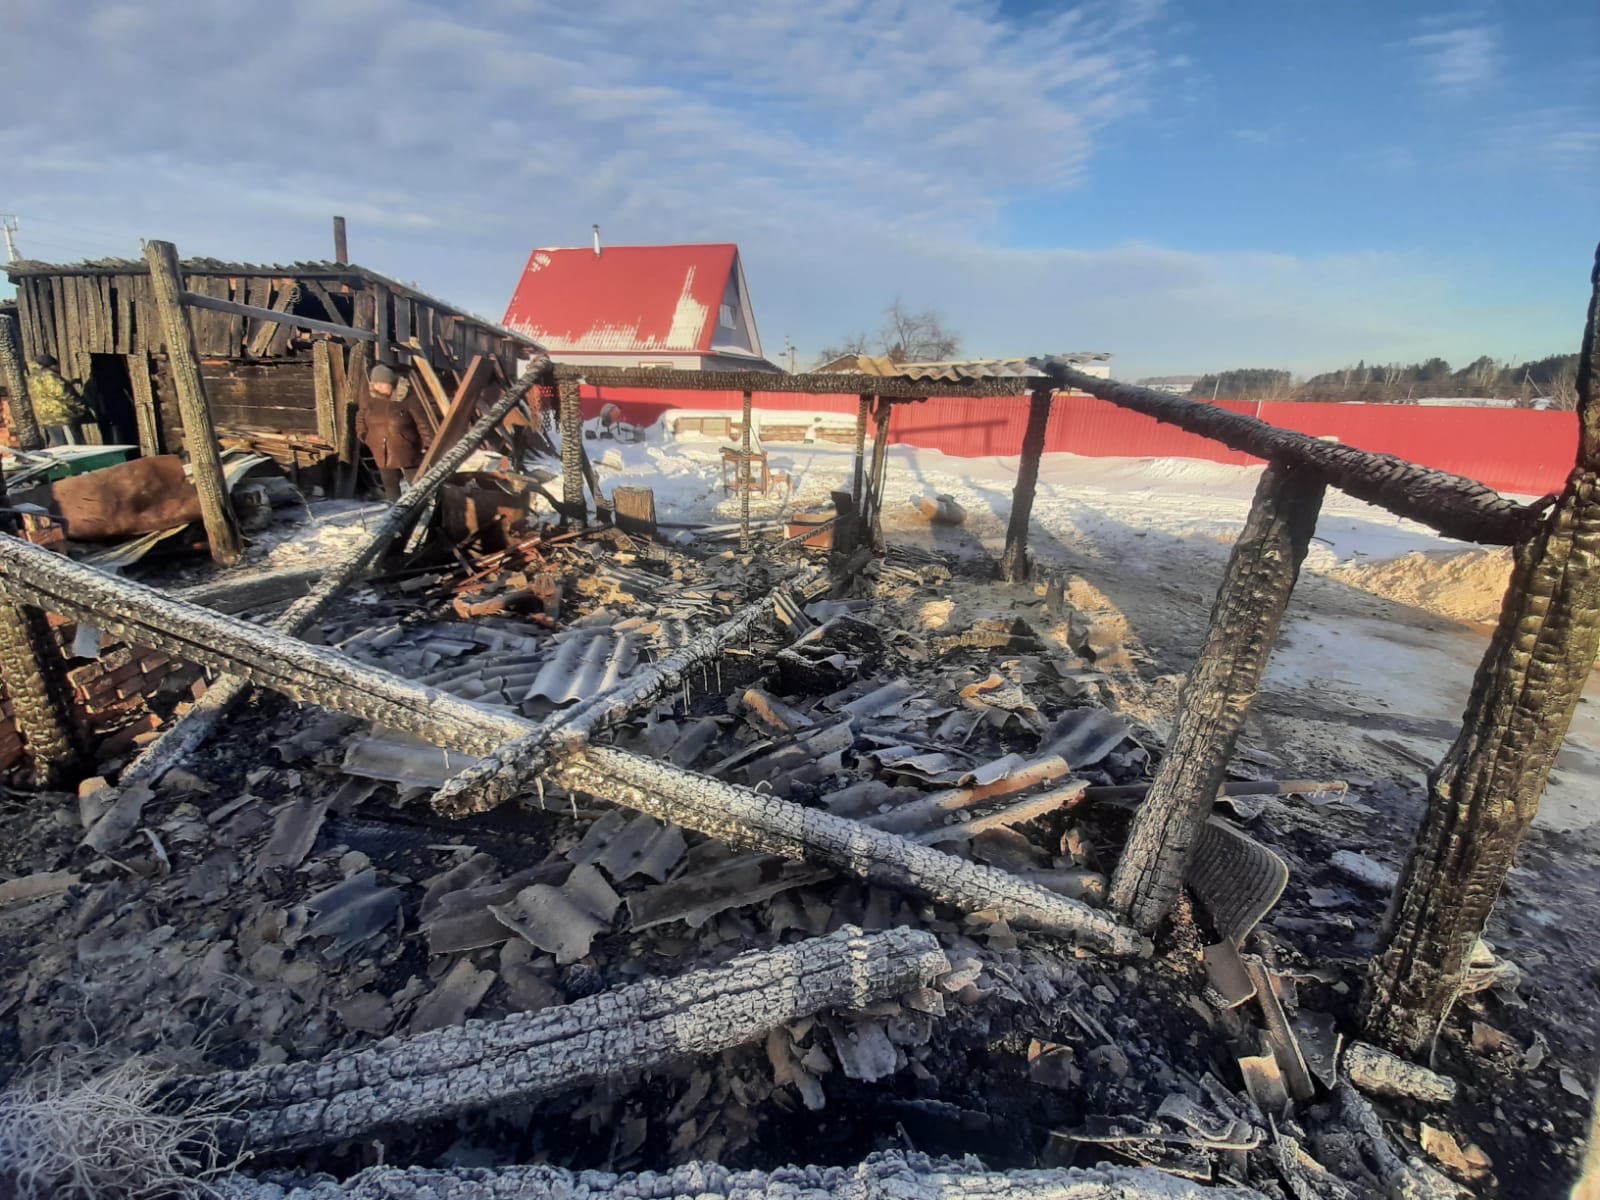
point(74, 1136)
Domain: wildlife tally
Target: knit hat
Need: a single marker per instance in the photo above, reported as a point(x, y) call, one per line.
point(383, 374)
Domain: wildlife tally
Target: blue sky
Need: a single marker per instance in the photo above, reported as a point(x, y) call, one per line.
point(1188, 185)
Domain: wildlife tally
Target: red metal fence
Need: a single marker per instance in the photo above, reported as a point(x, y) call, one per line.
point(1513, 450)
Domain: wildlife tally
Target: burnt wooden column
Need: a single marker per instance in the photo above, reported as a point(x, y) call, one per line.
point(35, 676)
point(1484, 794)
point(1014, 565)
point(872, 520)
point(572, 454)
point(1244, 623)
point(863, 409)
point(199, 436)
point(341, 247)
point(744, 480)
point(15, 374)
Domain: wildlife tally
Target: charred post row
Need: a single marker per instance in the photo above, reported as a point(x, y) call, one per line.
point(1250, 604)
point(737, 815)
point(571, 417)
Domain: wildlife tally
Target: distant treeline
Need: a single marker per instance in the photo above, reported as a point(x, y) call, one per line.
point(1551, 380)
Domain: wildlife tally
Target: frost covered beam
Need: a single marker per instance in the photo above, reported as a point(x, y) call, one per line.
point(1456, 506)
point(194, 727)
point(745, 818)
point(511, 770)
point(643, 1027)
point(842, 383)
point(889, 1174)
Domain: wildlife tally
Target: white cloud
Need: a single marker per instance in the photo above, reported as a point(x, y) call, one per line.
point(1458, 59)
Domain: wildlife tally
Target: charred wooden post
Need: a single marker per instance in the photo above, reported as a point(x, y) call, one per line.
point(642, 1027)
point(872, 519)
point(1457, 507)
point(577, 513)
point(863, 411)
point(194, 727)
point(512, 769)
point(882, 1175)
point(15, 374)
point(744, 480)
point(1255, 590)
point(1483, 795)
point(1014, 567)
point(34, 673)
point(145, 417)
point(199, 437)
point(341, 247)
point(744, 817)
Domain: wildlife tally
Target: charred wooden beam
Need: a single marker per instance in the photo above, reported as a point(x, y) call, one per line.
point(882, 1175)
point(199, 436)
point(744, 480)
point(14, 373)
point(323, 676)
point(571, 416)
point(194, 727)
point(610, 1036)
point(1255, 590)
point(1485, 792)
point(863, 411)
point(824, 384)
point(513, 768)
point(1455, 506)
point(759, 821)
point(341, 247)
point(872, 519)
point(277, 316)
point(1014, 566)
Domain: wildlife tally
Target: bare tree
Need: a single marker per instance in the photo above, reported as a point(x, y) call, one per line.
point(1564, 389)
point(851, 343)
point(906, 336)
point(916, 336)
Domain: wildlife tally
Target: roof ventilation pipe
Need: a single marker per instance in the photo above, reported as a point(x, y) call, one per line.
point(596, 241)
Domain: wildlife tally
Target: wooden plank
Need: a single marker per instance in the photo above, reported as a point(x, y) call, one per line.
point(402, 320)
point(356, 393)
point(343, 410)
point(68, 364)
point(272, 317)
point(261, 340)
point(144, 405)
point(27, 309)
point(205, 459)
point(325, 297)
point(58, 306)
point(89, 314)
point(426, 326)
point(432, 388)
point(385, 345)
point(124, 315)
point(322, 381)
point(484, 373)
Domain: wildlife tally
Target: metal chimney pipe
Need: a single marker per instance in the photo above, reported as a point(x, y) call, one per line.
point(597, 241)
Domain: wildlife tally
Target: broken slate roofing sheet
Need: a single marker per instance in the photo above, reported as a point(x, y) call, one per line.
point(585, 667)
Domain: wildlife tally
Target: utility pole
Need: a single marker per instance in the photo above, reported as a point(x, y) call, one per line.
point(788, 350)
point(9, 224)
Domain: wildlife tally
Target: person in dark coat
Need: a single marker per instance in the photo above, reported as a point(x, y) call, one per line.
point(386, 427)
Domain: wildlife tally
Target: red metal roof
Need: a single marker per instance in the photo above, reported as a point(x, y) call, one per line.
point(624, 299)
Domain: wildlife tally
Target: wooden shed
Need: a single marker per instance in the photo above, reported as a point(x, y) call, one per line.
point(269, 385)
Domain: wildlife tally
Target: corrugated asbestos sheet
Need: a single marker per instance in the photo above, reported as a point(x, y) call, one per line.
point(585, 666)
